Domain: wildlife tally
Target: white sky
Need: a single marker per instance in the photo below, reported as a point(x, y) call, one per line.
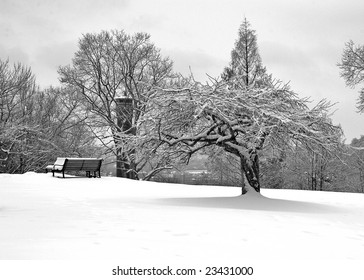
point(299, 41)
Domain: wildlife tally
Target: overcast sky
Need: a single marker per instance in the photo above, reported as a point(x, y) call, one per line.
point(299, 41)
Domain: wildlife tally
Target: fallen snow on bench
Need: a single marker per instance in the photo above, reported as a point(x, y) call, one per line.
point(44, 217)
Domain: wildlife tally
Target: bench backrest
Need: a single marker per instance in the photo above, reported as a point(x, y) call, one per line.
point(73, 164)
point(80, 164)
point(91, 165)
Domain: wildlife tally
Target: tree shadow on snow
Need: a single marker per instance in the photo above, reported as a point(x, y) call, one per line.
point(257, 203)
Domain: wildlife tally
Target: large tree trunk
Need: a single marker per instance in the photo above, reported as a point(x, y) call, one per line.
point(251, 170)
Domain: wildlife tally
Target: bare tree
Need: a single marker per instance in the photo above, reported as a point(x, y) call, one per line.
point(36, 125)
point(17, 86)
point(304, 168)
point(357, 159)
point(111, 65)
point(352, 68)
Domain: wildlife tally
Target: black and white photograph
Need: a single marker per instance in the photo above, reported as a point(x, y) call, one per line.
point(181, 139)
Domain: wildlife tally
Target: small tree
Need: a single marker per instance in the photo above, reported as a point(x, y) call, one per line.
point(352, 68)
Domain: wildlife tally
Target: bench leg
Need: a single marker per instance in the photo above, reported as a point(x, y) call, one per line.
point(52, 173)
point(63, 174)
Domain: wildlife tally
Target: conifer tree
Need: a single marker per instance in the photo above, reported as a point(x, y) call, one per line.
point(245, 69)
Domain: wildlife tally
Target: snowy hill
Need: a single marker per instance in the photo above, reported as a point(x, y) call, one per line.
point(47, 218)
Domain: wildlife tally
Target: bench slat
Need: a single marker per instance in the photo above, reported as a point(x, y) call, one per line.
point(72, 164)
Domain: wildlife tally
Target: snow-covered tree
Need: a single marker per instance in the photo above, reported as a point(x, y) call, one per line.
point(242, 121)
point(352, 69)
point(110, 65)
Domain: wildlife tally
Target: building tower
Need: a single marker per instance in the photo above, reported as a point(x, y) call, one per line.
point(125, 159)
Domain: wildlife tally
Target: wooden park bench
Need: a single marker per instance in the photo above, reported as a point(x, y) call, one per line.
point(90, 165)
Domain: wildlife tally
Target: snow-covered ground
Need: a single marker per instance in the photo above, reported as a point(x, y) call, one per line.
point(77, 218)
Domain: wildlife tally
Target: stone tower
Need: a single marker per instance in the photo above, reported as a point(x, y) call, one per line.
point(124, 113)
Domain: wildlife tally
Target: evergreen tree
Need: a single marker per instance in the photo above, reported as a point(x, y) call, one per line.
point(246, 69)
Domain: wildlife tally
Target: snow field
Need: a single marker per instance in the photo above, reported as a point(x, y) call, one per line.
point(77, 218)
